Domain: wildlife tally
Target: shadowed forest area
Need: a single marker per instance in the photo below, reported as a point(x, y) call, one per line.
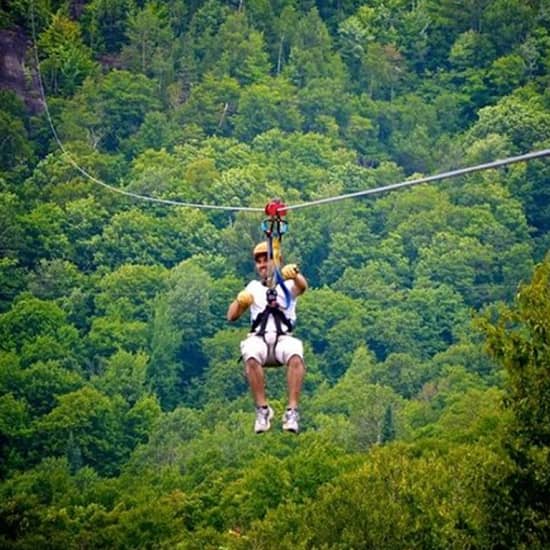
point(125, 418)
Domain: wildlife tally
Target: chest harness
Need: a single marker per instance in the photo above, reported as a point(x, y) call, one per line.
point(271, 310)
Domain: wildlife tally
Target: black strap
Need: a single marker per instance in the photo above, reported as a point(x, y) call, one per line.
point(279, 318)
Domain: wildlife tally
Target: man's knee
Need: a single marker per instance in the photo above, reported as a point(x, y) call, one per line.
point(296, 362)
point(252, 365)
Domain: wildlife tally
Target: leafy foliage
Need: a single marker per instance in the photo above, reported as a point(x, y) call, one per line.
point(125, 419)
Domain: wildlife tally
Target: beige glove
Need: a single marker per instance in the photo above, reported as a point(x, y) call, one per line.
point(245, 299)
point(290, 271)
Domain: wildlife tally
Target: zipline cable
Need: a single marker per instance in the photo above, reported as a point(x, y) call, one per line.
point(86, 174)
point(327, 200)
point(426, 179)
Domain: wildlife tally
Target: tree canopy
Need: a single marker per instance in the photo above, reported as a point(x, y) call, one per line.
point(125, 419)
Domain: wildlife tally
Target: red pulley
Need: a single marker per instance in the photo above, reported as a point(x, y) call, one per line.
point(275, 208)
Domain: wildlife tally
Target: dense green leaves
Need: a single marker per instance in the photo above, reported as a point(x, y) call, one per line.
point(16, 148)
point(394, 500)
point(67, 60)
point(519, 341)
point(110, 109)
point(105, 23)
point(125, 418)
point(150, 40)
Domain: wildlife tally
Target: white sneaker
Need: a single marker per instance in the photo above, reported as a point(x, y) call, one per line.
point(290, 420)
point(263, 419)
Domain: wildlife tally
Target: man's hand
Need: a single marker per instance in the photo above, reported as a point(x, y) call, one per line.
point(245, 299)
point(290, 271)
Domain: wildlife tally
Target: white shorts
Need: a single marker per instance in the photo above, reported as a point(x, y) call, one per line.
point(261, 349)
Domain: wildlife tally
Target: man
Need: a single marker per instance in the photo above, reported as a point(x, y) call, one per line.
point(270, 342)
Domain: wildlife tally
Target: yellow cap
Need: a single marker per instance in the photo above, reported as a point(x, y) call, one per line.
point(260, 248)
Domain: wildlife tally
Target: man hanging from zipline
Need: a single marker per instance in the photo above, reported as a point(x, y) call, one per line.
point(272, 303)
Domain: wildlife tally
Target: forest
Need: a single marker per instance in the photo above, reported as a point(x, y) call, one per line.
point(125, 418)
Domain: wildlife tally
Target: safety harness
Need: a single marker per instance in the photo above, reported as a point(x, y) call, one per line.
point(274, 228)
point(271, 310)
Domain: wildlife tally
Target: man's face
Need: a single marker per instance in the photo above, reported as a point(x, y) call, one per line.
point(262, 265)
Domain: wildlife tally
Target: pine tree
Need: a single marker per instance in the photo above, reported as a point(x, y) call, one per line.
point(387, 430)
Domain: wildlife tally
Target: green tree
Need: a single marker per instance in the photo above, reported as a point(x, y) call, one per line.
point(44, 382)
point(156, 132)
point(265, 106)
point(284, 29)
point(183, 316)
point(12, 281)
point(141, 417)
point(524, 123)
point(111, 333)
point(311, 53)
point(471, 49)
point(507, 73)
point(170, 433)
point(125, 375)
point(43, 233)
point(105, 23)
point(429, 321)
point(342, 339)
point(382, 67)
point(11, 234)
point(15, 148)
point(463, 263)
point(451, 17)
point(265, 483)
point(223, 379)
point(56, 180)
point(95, 423)
point(475, 414)
point(377, 281)
point(84, 218)
point(320, 310)
point(387, 430)
point(14, 428)
point(369, 45)
point(163, 372)
point(110, 108)
point(357, 398)
point(54, 279)
point(402, 372)
point(132, 236)
point(526, 184)
point(201, 36)
point(471, 356)
point(150, 40)
point(66, 60)
point(212, 104)
point(242, 52)
point(28, 497)
point(413, 38)
point(394, 499)
point(349, 248)
point(156, 173)
point(301, 163)
point(137, 237)
point(129, 292)
point(510, 22)
point(518, 340)
point(38, 330)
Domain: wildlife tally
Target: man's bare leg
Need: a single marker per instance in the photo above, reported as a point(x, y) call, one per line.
point(295, 376)
point(256, 381)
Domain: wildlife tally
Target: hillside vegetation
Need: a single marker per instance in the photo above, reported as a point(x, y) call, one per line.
point(125, 419)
